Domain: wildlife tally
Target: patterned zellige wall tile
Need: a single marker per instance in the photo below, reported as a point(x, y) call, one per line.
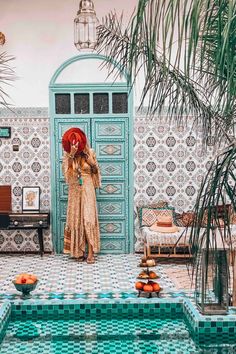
point(168, 164)
point(30, 166)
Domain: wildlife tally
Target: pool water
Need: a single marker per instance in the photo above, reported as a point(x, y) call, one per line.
point(120, 336)
point(103, 328)
point(98, 336)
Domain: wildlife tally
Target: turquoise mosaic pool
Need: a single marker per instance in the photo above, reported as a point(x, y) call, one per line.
point(112, 327)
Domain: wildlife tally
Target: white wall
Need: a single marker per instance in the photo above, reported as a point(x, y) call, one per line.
point(40, 35)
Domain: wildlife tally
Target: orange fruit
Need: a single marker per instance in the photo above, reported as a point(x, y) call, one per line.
point(24, 275)
point(156, 287)
point(30, 281)
point(148, 288)
point(33, 277)
point(139, 285)
point(19, 278)
point(152, 275)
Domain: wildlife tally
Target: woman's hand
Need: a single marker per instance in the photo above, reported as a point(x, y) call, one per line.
point(90, 160)
point(73, 149)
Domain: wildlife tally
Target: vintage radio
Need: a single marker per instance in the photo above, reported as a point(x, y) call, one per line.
point(29, 220)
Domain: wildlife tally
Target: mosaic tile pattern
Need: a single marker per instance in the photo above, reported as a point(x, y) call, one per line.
point(75, 310)
point(102, 328)
point(27, 167)
point(110, 274)
point(5, 309)
point(117, 336)
point(149, 327)
point(168, 163)
point(215, 333)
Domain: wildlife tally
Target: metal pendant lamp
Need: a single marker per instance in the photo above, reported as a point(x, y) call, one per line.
point(85, 26)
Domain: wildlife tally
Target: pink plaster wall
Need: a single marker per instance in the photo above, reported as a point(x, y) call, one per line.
point(40, 35)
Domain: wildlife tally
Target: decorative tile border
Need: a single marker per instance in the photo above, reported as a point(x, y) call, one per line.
point(95, 296)
point(76, 310)
point(24, 112)
point(44, 112)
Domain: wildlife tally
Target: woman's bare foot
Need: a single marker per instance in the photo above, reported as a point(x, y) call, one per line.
point(90, 260)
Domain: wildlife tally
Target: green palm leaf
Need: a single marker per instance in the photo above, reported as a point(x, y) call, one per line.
point(185, 51)
point(7, 75)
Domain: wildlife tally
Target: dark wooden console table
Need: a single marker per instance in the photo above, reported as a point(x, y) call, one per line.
point(26, 221)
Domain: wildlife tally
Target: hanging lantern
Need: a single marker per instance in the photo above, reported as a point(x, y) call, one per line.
point(212, 296)
point(85, 24)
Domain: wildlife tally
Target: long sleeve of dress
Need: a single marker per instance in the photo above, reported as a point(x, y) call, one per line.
point(68, 174)
point(97, 180)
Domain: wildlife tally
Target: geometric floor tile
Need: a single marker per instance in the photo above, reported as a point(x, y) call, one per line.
point(62, 274)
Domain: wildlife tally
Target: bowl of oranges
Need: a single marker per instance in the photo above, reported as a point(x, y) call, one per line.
point(150, 288)
point(25, 283)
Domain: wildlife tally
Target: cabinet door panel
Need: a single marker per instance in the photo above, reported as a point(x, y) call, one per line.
point(63, 190)
point(63, 208)
point(110, 150)
point(107, 129)
point(109, 189)
point(113, 246)
point(113, 169)
point(64, 124)
point(111, 208)
point(112, 228)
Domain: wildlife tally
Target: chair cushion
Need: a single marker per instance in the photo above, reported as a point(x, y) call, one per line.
point(154, 238)
point(149, 215)
point(188, 218)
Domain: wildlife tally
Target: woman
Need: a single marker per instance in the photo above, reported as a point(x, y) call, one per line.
point(82, 174)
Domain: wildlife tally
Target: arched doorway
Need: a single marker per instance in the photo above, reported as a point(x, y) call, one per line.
point(103, 110)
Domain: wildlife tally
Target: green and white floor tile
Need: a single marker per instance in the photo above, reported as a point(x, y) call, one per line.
point(112, 276)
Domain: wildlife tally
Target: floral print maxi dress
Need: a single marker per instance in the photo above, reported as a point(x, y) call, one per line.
point(82, 217)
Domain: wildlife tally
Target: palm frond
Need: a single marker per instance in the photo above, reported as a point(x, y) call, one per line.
point(185, 50)
point(7, 75)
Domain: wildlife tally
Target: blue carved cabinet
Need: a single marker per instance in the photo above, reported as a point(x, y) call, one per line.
point(104, 112)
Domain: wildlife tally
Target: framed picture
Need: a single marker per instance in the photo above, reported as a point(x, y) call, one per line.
point(30, 198)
